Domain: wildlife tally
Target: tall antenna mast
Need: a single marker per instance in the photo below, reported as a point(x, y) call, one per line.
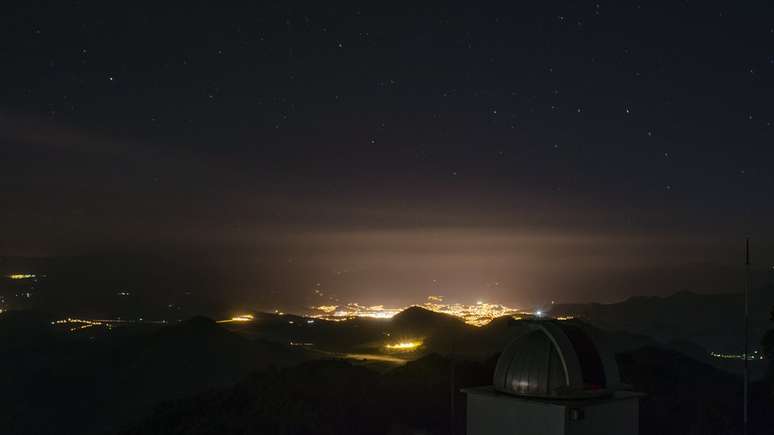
point(746, 331)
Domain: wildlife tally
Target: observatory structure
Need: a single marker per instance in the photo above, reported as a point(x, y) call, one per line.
point(556, 378)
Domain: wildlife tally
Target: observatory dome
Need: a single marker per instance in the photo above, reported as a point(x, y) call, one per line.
point(557, 359)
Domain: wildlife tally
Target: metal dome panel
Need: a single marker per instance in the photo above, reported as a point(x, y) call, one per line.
point(556, 359)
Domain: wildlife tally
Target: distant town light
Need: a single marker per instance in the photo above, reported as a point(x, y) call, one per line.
point(21, 276)
point(406, 346)
point(737, 356)
point(240, 318)
point(478, 314)
point(296, 343)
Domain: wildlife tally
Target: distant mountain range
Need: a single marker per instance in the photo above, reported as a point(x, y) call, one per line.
point(713, 321)
point(691, 323)
point(113, 285)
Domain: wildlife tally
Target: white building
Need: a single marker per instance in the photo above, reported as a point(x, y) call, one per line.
point(555, 379)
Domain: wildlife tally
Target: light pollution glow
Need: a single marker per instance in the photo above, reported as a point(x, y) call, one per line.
point(478, 314)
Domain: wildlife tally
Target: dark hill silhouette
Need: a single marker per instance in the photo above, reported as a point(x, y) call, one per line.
point(711, 321)
point(58, 381)
point(56, 378)
point(421, 318)
point(441, 333)
point(321, 397)
point(87, 285)
point(334, 397)
point(359, 334)
point(438, 330)
point(19, 328)
point(688, 397)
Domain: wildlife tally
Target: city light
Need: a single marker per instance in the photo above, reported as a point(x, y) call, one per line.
point(21, 276)
point(478, 314)
point(297, 343)
point(239, 318)
point(79, 324)
point(404, 346)
point(752, 356)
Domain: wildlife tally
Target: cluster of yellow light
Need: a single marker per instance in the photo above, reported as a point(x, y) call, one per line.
point(109, 323)
point(565, 317)
point(21, 276)
point(326, 308)
point(298, 343)
point(405, 346)
point(239, 318)
point(355, 310)
point(752, 356)
point(80, 323)
point(478, 314)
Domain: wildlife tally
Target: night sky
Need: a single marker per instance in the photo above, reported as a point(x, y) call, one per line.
point(519, 153)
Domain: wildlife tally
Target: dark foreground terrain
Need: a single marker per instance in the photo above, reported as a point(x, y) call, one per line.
point(198, 377)
point(334, 397)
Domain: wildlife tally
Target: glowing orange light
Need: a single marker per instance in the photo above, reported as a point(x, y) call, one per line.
point(240, 318)
point(404, 345)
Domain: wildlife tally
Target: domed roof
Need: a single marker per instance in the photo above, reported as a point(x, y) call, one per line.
point(557, 359)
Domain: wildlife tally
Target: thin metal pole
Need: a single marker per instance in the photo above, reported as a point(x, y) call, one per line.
point(746, 332)
point(452, 392)
point(452, 417)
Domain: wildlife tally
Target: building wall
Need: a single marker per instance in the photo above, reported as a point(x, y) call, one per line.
point(610, 417)
point(491, 413)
